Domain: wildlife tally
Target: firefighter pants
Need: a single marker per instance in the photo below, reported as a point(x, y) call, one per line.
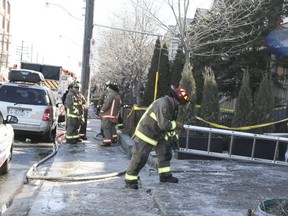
point(140, 154)
point(72, 131)
point(109, 131)
point(83, 124)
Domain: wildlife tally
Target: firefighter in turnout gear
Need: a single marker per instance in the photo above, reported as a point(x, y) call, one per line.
point(100, 104)
point(109, 114)
point(102, 97)
point(74, 106)
point(156, 129)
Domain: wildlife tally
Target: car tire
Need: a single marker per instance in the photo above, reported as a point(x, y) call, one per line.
point(7, 164)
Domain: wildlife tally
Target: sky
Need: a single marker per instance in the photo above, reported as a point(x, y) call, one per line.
point(53, 33)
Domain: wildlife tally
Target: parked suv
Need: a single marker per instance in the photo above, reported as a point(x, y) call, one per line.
point(33, 104)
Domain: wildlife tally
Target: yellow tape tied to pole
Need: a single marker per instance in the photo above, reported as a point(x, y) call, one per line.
point(134, 108)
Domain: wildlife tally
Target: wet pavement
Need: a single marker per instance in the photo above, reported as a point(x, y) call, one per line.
point(87, 179)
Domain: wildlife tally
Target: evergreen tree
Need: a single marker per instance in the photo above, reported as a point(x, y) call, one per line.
point(209, 109)
point(148, 96)
point(243, 107)
point(177, 68)
point(263, 106)
point(164, 73)
point(253, 54)
point(187, 113)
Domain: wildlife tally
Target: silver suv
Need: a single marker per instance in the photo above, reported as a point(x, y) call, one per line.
point(33, 104)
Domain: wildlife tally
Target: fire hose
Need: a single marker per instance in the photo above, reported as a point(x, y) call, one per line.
point(29, 174)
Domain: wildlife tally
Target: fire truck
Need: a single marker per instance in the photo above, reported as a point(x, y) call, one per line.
point(56, 77)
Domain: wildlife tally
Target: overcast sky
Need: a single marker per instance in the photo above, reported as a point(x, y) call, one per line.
point(54, 33)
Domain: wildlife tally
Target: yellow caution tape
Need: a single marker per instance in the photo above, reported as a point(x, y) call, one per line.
point(241, 128)
point(226, 110)
point(136, 108)
point(280, 108)
point(232, 110)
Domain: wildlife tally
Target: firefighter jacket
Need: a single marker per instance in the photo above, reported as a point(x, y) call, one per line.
point(83, 100)
point(73, 103)
point(102, 98)
point(158, 121)
point(111, 107)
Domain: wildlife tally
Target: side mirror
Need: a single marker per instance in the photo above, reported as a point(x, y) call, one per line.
point(10, 119)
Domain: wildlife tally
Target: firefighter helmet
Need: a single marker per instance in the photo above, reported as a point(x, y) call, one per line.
point(107, 84)
point(76, 84)
point(181, 95)
point(113, 86)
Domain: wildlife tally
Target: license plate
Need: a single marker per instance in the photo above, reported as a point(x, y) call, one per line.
point(19, 112)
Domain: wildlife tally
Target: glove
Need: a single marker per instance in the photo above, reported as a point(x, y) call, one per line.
point(179, 126)
point(175, 145)
point(75, 111)
point(120, 126)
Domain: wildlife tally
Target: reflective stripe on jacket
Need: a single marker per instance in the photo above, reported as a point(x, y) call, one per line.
point(73, 103)
point(157, 120)
point(111, 106)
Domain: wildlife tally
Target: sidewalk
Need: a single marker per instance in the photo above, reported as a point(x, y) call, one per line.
point(206, 187)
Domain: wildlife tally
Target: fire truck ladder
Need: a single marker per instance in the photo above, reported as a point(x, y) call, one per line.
point(233, 135)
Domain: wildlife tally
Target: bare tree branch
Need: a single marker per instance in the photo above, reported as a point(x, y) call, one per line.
point(125, 56)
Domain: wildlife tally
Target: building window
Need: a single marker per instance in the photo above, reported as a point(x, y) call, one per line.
point(2, 21)
point(7, 44)
point(8, 8)
point(283, 74)
point(7, 26)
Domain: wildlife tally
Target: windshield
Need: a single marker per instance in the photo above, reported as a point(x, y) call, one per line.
point(23, 95)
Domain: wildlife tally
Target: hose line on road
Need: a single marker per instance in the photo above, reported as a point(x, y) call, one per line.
point(56, 145)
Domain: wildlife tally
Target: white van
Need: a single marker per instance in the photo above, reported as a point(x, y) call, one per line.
point(33, 104)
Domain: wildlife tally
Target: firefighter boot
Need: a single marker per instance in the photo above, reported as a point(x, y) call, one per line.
point(78, 140)
point(83, 137)
point(71, 141)
point(170, 179)
point(105, 144)
point(131, 184)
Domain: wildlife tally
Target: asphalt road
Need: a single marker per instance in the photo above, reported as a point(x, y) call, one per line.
point(25, 154)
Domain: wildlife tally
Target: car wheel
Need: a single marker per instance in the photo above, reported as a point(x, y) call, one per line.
point(7, 164)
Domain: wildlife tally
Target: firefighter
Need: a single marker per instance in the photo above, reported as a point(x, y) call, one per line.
point(100, 104)
point(63, 98)
point(73, 104)
point(102, 97)
point(109, 114)
point(156, 129)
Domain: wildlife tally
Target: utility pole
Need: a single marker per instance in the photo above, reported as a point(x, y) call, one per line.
point(85, 73)
point(88, 29)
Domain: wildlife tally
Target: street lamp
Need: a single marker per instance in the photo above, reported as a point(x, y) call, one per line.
point(88, 27)
point(49, 3)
